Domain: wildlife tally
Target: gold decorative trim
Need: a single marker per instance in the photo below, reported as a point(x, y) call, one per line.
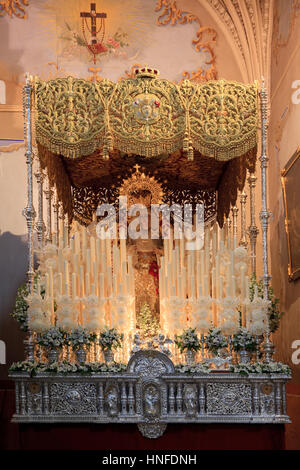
point(14, 8)
point(146, 116)
point(171, 14)
point(293, 271)
point(11, 108)
point(12, 148)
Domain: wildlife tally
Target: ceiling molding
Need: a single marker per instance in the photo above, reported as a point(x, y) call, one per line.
point(249, 26)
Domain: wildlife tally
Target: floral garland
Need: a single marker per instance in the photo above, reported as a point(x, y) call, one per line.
point(188, 341)
point(261, 368)
point(200, 368)
point(66, 367)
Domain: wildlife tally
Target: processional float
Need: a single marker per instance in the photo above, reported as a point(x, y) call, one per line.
point(107, 152)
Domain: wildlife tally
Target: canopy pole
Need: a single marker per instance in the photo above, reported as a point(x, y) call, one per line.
point(264, 215)
point(252, 229)
point(29, 211)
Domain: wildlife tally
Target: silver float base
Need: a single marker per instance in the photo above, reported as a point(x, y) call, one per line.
point(151, 395)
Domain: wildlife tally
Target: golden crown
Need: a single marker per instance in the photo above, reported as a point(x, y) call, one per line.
point(146, 71)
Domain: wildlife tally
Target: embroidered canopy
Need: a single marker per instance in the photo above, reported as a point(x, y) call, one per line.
point(90, 133)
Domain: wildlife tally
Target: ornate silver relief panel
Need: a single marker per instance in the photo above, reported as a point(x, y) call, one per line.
point(228, 398)
point(73, 398)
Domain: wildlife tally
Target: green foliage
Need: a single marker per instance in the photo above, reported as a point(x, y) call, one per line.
point(147, 322)
point(274, 312)
point(19, 312)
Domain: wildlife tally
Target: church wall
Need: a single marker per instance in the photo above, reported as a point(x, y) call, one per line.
point(283, 142)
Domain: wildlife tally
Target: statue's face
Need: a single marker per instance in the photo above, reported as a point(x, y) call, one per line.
point(146, 111)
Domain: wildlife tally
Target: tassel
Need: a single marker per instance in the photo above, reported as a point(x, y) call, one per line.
point(185, 144)
point(190, 153)
point(109, 142)
point(105, 153)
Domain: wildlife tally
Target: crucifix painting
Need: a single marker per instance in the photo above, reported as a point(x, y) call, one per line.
point(93, 45)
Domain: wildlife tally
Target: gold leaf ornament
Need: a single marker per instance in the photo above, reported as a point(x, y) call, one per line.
point(14, 8)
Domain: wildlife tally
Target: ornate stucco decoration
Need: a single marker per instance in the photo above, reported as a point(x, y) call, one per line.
point(248, 27)
point(206, 37)
point(146, 115)
point(14, 8)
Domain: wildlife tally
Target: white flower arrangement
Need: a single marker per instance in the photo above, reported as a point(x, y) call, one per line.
point(53, 338)
point(188, 341)
point(110, 339)
point(80, 337)
point(215, 340)
point(243, 340)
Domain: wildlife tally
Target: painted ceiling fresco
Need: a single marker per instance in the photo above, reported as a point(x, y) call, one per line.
point(105, 38)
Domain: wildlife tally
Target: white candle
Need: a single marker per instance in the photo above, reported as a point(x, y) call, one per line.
point(193, 287)
point(81, 274)
point(60, 284)
point(73, 285)
point(88, 261)
point(95, 269)
point(98, 250)
point(206, 285)
point(77, 242)
point(123, 250)
point(109, 281)
point(214, 244)
point(220, 287)
point(66, 277)
point(198, 278)
point(108, 251)
point(101, 285)
point(66, 236)
point(83, 234)
point(202, 266)
point(76, 263)
point(93, 249)
point(87, 284)
point(233, 293)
